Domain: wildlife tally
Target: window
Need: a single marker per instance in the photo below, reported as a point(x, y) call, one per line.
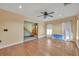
point(49, 29)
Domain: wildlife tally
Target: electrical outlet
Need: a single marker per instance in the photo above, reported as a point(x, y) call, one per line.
point(5, 30)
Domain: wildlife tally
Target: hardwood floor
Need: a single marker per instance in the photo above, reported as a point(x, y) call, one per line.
point(42, 47)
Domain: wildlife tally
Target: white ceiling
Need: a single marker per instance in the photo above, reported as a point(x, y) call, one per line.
point(32, 10)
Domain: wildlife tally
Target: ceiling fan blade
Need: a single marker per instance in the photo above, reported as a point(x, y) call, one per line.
point(42, 12)
point(40, 16)
point(66, 4)
point(51, 13)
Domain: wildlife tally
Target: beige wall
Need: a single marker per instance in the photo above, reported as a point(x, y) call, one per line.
point(78, 25)
point(78, 30)
point(14, 24)
point(74, 27)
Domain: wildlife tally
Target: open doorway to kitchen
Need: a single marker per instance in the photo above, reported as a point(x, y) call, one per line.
point(30, 30)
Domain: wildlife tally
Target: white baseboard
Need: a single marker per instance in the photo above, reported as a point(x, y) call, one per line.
point(29, 39)
point(41, 36)
point(9, 45)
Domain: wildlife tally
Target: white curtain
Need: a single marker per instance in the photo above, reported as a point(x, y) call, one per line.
point(67, 31)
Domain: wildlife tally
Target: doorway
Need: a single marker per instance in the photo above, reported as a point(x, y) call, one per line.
point(30, 30)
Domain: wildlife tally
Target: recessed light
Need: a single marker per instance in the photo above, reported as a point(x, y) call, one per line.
point(20, 6)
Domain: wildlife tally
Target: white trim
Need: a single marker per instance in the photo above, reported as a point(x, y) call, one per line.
point(29, 39)
point(41, 36)
point(9, 45)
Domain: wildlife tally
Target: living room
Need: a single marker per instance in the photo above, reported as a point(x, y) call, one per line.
point(44, 26)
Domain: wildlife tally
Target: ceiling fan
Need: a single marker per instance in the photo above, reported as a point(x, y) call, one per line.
point(45, 14)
